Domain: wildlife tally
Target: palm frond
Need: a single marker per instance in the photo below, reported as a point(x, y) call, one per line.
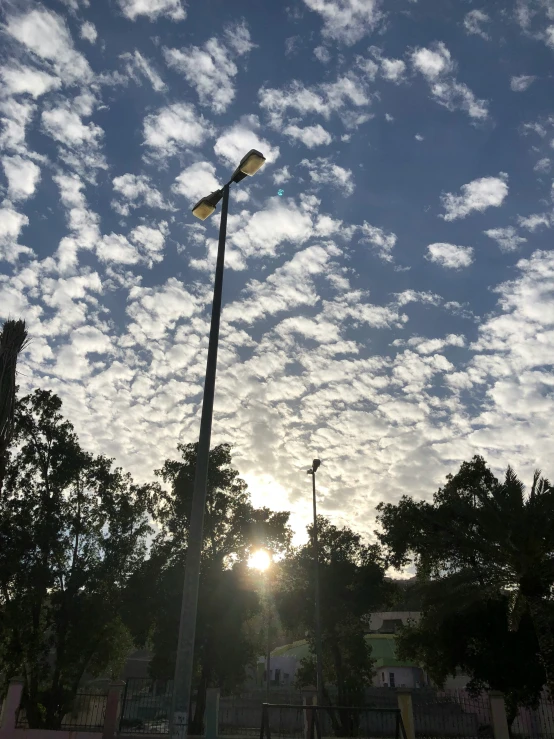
point(13, 339)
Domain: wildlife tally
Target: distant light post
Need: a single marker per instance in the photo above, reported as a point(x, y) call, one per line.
point(318, 650)
point(249, 165)
point(261, 560)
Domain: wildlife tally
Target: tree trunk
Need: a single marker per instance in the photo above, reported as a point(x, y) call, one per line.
point(541, 615)
point(196, 726)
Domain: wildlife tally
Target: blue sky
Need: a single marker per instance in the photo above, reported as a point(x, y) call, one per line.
point(392, 312)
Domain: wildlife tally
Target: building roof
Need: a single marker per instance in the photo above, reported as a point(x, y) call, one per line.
point(383, 650)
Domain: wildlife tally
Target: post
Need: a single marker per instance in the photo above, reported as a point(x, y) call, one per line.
point(404, 697)
point(212, 713)
point(189, 604)
point(11, 706)
point(498, 715)
point(318, 649)
point(112, 709)
point(309, 698)
point(268, 653)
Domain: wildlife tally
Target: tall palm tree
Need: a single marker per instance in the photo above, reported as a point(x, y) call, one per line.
point(13, 339)
point(481, 538)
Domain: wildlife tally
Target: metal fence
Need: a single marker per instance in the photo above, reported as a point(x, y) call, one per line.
point(315, 722)
point(87, 714)
point(145, 706)
point(535, 723)
point(451, 714)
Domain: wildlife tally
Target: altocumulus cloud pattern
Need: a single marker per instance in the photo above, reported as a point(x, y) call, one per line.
point(389, 294)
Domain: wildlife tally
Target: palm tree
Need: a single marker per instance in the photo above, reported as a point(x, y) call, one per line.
point(13, 339)
point(481, 538)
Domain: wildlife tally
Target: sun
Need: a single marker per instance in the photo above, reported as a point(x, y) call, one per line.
point(260, 560)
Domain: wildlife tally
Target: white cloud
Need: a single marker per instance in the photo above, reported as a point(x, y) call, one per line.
point(289, 287)
point(64, 124)
point(393, 69)
point(80, 143)
point(23, 176)
point(521, 83)
point(174, 127)
point(260, 233)
point(347, 20)
point(19, 80)
point(323, 171)
point(383, 242)
point(153, 9)
point(347, 95)
point(11, 224)
point(117, 248)
point(136, 191)
point(89, 32)
point(532, 222)
point(151, 241)
point(310, 136)
point(437, 67)
point(432, 346)
point(486, 192)
point(15, 117)
point(237, 36)
point(143, 246)
point(281, 176)
point(433, 64)
point(45, 34)
point(543, 165)
point(322, 54)
point(473, 23)
point(419, 137)
point(450, 255)
point(137, 65)
point(507, 238)
point(211, 69)
point(236, 141)
point(83, 223)
point(196, 181)
point(156, 310)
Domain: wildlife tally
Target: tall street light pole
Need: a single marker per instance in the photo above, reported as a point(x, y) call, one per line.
point(318, 650)
point(249, 165)
point(262, 560)
point(268, 635)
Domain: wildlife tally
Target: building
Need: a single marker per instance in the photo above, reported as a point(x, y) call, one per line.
point(382, 627)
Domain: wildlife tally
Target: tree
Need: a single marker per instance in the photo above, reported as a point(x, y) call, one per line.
point(478, 640)
point(13, 339)
point(480, 540)
point(72, 531)
point(228, 600)
point(352, 583)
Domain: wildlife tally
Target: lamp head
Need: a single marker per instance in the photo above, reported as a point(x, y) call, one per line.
point(206, 206)
point(249, 165)
point(316, 464)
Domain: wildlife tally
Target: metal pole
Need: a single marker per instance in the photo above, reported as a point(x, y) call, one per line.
point(268, 653)
point(187, 627)
point(318, 650)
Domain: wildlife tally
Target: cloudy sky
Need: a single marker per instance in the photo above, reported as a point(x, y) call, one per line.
point(389, 293)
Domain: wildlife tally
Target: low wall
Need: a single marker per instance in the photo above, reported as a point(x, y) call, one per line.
point(48, 734)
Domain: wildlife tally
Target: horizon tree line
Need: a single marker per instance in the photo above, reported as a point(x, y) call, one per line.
point(91, 568)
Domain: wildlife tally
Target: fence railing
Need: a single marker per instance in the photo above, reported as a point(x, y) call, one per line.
point(451, 714)
point(88, 714)
point(280, 721)
point(535, 723)
point(145, 706)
